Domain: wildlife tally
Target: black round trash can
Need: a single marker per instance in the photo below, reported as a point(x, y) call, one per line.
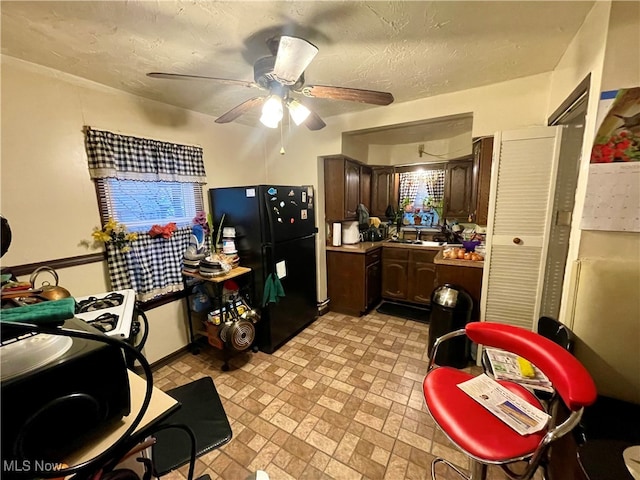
point(450, 310)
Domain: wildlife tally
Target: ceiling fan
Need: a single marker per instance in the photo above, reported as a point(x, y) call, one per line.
point(282, 74)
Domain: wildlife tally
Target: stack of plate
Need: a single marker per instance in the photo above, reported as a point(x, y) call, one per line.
point(212, 267)
point(191, 259)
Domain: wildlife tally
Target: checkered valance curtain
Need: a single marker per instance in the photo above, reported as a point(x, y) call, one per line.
point(131, 158)
point(428, 183)
point(152, 266)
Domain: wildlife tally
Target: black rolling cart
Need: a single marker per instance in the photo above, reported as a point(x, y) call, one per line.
point(234, 318)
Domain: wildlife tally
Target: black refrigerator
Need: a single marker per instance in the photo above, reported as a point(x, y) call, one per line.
point(275, 233)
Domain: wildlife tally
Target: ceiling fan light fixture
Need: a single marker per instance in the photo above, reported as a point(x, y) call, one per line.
point(272, 112)
point(298, 111)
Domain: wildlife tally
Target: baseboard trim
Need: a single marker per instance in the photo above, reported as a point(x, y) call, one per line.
point(168, 359)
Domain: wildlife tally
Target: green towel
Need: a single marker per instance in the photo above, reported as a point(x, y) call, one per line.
point(272, 290)
point(43, 313)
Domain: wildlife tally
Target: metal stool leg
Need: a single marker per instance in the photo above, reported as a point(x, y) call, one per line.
point(478, 470)
point(448, 464)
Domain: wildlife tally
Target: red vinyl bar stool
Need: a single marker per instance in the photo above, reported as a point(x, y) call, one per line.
point(482, 436)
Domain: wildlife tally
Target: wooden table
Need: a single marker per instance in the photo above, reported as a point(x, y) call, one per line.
point(160, 406)
point(218, 283)
point(233, 273)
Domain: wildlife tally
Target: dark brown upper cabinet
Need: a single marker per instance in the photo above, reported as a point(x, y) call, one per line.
point(458, 189)
point(482, 156)
point(365, 187)
point(341, 188)
point(384, 190)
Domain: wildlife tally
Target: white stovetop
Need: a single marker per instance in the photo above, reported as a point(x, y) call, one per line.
point(124, 311)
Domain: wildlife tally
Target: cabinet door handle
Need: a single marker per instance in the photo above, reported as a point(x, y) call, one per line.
point(517, 241)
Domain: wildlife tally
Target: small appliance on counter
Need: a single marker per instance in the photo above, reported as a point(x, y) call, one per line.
point(350, 232)
point(63, 391)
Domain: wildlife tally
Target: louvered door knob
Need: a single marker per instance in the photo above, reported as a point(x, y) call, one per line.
point(517, 241)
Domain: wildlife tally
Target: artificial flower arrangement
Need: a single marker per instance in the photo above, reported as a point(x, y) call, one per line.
point(116, 234)
point(164, 232)
point(203, 220)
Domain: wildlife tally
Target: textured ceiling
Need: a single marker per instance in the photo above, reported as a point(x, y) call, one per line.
point(412, 49)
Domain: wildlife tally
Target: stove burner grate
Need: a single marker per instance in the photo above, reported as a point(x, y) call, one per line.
point(105, 322)
point(93, 304)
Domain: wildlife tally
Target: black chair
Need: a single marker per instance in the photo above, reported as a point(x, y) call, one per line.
point(553, 330)
point(198, 426)
point(202, 413)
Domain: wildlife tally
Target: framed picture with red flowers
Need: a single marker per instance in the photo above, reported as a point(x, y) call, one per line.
point(618, 137)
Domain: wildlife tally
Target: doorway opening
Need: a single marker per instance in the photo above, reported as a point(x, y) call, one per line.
point(572, 117)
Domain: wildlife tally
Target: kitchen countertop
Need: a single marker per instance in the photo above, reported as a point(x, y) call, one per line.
point(366, 247)
point(439, 260)
point(361, 247)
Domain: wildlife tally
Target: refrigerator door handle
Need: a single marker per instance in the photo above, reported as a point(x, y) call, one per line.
point(272, 235)
point(269, 261)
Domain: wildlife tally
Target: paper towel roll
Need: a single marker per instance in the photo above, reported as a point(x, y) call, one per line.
point(337, 234)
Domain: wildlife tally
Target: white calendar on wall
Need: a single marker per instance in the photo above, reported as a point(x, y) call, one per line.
point(613, 197)
point(612, 200)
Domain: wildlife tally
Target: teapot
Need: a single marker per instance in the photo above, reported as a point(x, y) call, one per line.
point(48, 291)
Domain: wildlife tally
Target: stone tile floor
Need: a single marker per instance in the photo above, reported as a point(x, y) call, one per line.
point(342, 400)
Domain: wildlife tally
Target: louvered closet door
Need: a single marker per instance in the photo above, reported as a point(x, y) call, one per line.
point(520, 204)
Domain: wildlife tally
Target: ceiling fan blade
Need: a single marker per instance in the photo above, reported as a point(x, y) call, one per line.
point(293, 57)
point(349, 94)
point(314, 122)
point(179, 76)
point(238, 110)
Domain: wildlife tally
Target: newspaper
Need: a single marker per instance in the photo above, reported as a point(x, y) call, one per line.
point(518, 414)
point(505, 367)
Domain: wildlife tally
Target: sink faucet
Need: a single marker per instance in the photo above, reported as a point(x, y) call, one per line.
point(418, 233)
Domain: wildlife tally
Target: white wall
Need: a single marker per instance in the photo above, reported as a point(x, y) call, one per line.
point(47, 195)
point(355, 149)
point(584, 56)
point(621, 70)
point(607, 47)
point(433, 151)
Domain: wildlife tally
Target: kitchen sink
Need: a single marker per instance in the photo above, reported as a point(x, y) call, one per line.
point(426, 243)
point(423, 243)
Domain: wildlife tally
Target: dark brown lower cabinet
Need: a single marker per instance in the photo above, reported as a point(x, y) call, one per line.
point(408, 274)
point(353, 281)
point(395, 273)
point(422, 276)
point(373, 281)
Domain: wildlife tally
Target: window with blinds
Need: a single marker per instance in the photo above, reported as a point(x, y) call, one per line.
point(142, 204)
